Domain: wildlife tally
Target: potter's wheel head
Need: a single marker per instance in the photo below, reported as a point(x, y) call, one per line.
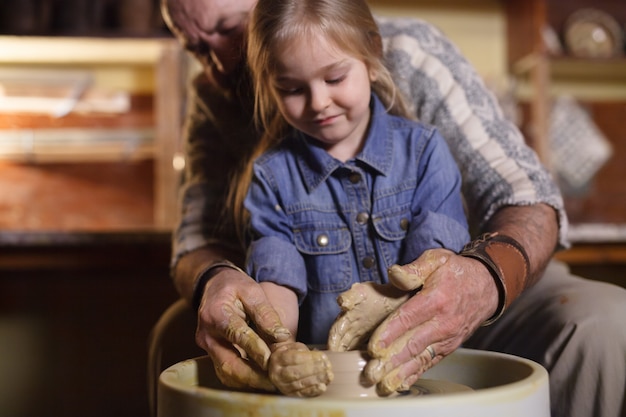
point(434, 386)
point(348, 382)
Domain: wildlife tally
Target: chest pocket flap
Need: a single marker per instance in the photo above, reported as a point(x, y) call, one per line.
point(323, 239)
point(392, 225)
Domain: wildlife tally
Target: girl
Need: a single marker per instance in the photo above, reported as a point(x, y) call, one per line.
point(345, 185)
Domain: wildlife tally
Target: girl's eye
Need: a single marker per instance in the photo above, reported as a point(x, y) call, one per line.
point(336, 80)
point(289, 91)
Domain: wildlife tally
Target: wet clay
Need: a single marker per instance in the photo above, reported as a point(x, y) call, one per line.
point(364, 306)
point(299, 371)
point(243, 336)
point(412, 276)
point(236, 373)
point(349, 382)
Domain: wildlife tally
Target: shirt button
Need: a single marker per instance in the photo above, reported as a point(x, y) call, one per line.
point(362, 218)
point(368, 262)
point(322, 240)
point(355, 177)
point(404, 224)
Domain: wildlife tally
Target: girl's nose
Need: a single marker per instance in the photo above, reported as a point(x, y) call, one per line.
point(319, 98)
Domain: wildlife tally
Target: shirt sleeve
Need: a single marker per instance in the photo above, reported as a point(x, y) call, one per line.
point(443, 89)
point(218, 133)
point(272, 255)
point(439, 219)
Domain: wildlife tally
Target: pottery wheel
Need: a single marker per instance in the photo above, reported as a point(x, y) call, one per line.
point(469, 383)
point(432, 387)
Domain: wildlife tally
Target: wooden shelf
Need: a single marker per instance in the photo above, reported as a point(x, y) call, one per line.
point(594, 253)
point(599, 85)
point(76, 137)
point(72, 50)
point(76, 145)
point(149, 132)
point(605, 70)
point(543, 75)
point(584, 79)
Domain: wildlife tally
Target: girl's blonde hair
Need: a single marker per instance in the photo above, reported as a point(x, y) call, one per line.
point(348, 24)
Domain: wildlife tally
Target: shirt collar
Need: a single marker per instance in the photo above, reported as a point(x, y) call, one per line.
point(316, 164)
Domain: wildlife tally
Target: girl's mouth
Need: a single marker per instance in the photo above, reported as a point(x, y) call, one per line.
point(326, 120)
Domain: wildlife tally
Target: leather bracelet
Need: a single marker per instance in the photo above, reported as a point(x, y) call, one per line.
point(204, 276)
point(507, 262)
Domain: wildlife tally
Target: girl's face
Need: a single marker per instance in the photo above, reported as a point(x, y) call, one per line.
point(325, 93)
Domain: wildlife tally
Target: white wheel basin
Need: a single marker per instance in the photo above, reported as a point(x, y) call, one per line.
point(502, 385)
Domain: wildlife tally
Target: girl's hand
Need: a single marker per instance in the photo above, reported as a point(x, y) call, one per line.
point(298, 371)
point(363, 307)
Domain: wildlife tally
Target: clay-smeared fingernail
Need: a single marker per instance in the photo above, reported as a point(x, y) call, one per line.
point(389, 384)
point(281, 334)
point(373, 371)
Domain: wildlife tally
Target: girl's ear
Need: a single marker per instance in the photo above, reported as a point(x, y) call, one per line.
point(373, 74)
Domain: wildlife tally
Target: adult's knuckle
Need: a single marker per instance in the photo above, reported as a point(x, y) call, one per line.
point(406, 318)
point(226, 375)
point(413, 348)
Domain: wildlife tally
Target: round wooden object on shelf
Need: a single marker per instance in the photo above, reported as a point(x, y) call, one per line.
point(592, 33)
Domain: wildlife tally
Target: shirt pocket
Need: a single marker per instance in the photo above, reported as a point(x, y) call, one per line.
point(325, 249)
point(391, 227)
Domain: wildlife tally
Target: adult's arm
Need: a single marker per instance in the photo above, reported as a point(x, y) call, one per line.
point(206, 248)
point(535, 228)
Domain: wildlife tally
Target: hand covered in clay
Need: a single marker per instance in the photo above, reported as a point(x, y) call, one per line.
point(363, 307)
point(240, 354)
point(298, 371)
point(457, 296)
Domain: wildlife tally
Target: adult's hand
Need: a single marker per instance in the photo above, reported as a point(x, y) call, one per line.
point(457, 296)
point(240, 355)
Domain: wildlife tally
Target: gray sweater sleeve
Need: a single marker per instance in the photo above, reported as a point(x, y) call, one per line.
point(444, 90)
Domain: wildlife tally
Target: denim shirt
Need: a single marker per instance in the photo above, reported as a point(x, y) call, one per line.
point(320, 225)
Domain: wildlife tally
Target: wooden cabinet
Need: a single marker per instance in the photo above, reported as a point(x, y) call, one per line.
point(597, 211)
point(92, 171)
point(76, 311)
